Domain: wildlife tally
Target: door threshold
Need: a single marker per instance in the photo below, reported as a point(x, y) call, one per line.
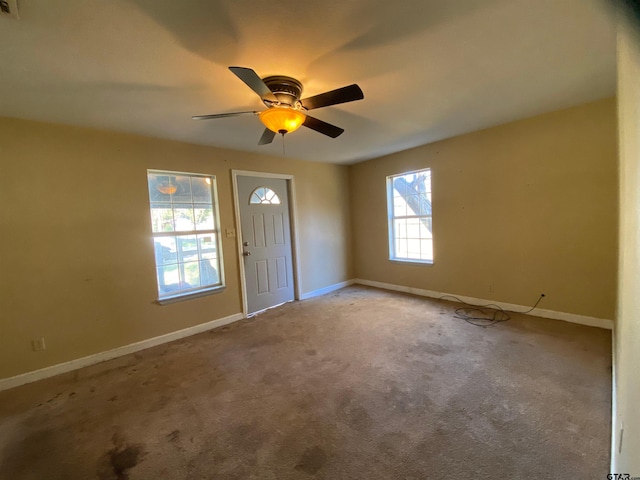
point(249, 315)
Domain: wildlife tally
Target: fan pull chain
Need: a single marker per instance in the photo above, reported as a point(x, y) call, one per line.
point(283, 150)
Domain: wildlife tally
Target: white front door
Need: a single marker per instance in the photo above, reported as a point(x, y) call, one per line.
point(266, 241)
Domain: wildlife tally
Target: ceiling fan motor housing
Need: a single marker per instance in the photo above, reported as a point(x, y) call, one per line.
point(286, 89)
point(286, 112)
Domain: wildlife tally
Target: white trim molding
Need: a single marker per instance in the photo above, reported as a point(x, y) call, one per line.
point(614, 405)
point(538, 312)
point(16, 381)
point(325, 290)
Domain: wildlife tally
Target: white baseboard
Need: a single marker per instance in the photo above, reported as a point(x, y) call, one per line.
point(614, 406)
point(538, 312)
point(11, 382)
point(325, 290)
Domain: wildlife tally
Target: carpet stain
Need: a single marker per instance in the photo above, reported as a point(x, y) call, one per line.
point(404, 400)
point(160, 403)
point(392, 443)
point(249, 436)
point(351, 412)
point(431, 349)
point(54, 398)
point(312, 460)
point(116, 463)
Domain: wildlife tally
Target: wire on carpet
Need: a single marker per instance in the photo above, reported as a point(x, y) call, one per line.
point(484, 315)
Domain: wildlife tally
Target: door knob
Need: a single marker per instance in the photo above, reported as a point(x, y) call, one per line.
point(246, 254)
point(246, 244)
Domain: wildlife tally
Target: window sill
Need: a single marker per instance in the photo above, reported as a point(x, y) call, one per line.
point(414, 262)
point(190, 295)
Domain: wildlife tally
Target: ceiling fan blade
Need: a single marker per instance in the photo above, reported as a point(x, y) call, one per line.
point(322, 127)
point(221, 115)
point(254, 82)
point(267, 137)
point(334, 97)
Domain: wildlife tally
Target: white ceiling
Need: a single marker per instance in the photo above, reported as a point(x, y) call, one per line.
point(429, 69)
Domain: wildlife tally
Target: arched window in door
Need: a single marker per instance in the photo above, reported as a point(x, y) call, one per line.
point(265, 196)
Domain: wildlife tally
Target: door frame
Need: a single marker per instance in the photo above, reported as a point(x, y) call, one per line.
point(293, 220)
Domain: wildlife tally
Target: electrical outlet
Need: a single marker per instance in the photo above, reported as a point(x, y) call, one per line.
point(38, 344)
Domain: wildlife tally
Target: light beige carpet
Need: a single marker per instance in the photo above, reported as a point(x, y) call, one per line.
point(358, 384)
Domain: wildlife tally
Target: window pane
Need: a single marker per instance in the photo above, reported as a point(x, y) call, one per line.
point(400, 228)
point(272, 197)
point(183, 190)
point(161, 187)
point(426, 249)
point(425, 227)
point(400, 187)
point(183, 215)
point(399, 207)
point(190, 273)
point(264, 195)
point(425, 204)
point(413, 228)
point(413, 204)
point(208, 273)
point(426, 183)
point(161, 218)
point(207, 244)
point(401, 248)
point(413, 248)
point(165, 248)
point(204, 217)
point(187, 248)
point(168, 279)
point(201, 187)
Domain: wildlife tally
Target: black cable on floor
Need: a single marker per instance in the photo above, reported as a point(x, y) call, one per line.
point(484, 315)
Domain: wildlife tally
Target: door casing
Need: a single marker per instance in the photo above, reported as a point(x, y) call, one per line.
point(294, 229)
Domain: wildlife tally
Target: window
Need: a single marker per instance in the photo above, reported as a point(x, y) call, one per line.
point(264, 195)
point(409, 207)
point(184, 220)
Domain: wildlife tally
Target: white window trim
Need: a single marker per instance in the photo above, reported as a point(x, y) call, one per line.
point(216, 211)
point(390, 218)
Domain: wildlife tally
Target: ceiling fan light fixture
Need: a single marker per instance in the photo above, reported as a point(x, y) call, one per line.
point(167, 188)
point(282, 119)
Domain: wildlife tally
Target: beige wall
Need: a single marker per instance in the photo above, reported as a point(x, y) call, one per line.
point(625, 458)
point(527, 208)
point(77, 262)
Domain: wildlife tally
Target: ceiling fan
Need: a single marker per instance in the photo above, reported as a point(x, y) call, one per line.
point(286, 112)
